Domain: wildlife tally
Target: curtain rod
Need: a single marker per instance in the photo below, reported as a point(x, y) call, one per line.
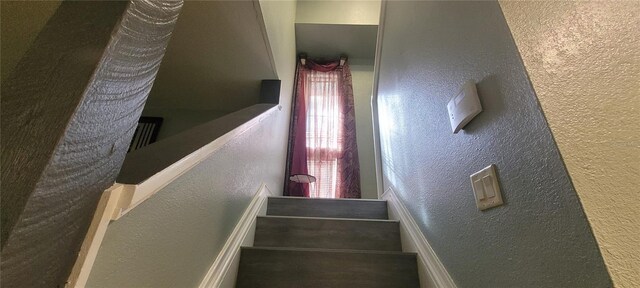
point(343, 59)
point(303, 59)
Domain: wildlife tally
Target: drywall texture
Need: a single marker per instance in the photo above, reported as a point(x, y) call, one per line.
point(362, 78)
point(143, 164)
point(21, 23)
point(583, 59)
point(177, 120)
point(338, 12)
point(68, 115)
point(216, 60)
point(171, 239)
point(279, 18)
point(358, 42)
point(540, 237)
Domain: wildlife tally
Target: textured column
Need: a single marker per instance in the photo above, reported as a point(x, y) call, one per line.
point(68, 114)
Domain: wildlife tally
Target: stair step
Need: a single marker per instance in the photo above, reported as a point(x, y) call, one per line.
point(330, 233)
point(329, 208)
point(279, 267)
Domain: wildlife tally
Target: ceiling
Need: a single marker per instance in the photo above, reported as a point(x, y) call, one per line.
point(329, 41)
point(215, 60)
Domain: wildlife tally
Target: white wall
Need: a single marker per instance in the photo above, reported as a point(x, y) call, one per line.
point(279, 17)
point(171, 239)
point(338, 12)
point(583, 59)
point(175, 121)
point(362, 77)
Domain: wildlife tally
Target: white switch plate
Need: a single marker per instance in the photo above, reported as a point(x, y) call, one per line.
point(464, 106)
point(486, 188)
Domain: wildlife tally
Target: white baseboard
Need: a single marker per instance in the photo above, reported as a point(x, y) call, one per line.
point(431, 271)
point(225, 268)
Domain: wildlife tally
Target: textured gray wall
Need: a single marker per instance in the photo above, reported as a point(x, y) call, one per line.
point(68, 113)
point(540, 237)
point(591, 100)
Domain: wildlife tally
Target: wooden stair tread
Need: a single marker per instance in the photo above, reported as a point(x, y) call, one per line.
point(330, 208)
point(286, 267)
point(333, 233)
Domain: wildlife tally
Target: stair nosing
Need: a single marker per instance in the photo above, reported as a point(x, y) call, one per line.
point(321, 199)
point(325, 250)
point(330, 218)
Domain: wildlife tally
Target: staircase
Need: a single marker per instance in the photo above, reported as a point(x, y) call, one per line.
point(304, 242)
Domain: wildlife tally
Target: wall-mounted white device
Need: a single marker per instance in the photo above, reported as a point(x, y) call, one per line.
point(486, 188)
point(464, 106)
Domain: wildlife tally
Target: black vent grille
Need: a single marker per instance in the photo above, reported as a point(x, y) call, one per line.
point(146, 132)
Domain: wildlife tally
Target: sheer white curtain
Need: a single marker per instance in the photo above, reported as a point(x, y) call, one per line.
point(324, 130)
point(323, 142)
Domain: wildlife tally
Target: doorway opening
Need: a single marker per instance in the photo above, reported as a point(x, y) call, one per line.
point(324, 34)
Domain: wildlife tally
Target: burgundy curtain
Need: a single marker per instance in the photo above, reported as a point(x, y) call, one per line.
point(298, 150)
point(324, 134)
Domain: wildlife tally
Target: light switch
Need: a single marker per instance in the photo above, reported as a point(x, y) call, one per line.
point(464, 106)
point(486, 188)
point(478, 189)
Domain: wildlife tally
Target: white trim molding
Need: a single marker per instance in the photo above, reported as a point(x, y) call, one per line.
point(431, 271)
point(91, 244)
point(377, 153)
point(223, 271)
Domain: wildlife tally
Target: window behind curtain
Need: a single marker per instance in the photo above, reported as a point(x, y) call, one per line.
point(324, 129)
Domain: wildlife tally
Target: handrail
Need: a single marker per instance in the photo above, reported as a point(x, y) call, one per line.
point(147, 170)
